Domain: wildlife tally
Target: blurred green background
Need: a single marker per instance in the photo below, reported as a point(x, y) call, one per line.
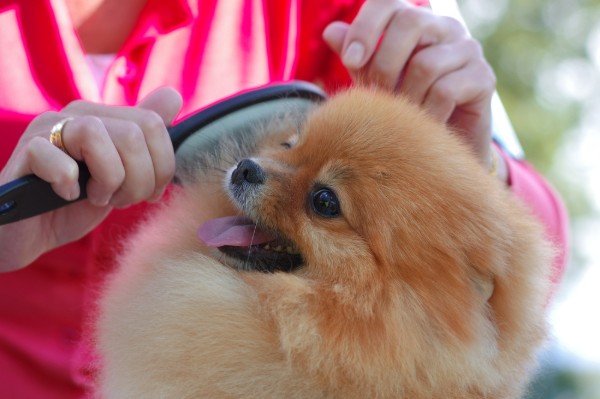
point(546, 55)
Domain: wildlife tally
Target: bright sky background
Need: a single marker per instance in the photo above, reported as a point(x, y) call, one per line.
point(576, 317)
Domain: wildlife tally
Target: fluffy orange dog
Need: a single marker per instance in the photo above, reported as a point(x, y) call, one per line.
point(371, 256)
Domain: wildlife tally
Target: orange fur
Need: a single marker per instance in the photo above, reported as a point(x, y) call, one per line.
point(393, 299)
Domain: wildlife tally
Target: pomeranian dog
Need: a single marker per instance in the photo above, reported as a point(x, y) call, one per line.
point(363, 252)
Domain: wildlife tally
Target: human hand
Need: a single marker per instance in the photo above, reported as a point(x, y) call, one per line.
point(428, 57)
point(127, 151)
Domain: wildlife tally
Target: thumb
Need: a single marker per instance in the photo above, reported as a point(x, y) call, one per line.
point(334, 35)
point(165, 101)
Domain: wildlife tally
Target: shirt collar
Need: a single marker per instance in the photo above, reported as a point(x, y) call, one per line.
point(165, 16)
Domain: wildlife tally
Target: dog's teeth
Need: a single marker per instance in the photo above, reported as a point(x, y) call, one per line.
point(280, 248)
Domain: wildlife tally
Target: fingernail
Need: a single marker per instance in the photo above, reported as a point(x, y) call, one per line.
point(101, 201)
point(74, 194)
point(354, 54)
point(156, 197)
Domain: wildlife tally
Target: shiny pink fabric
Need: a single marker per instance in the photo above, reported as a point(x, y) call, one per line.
point(207, 50)
point(547, 206)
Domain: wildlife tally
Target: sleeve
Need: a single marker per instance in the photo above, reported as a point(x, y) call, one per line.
point(545, 203)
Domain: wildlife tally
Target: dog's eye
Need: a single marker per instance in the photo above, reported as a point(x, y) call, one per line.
point(325, 203)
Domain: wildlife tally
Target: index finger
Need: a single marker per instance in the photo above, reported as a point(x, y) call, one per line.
point(366, 29)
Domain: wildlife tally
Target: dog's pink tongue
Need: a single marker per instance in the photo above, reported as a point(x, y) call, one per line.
point(233, 231)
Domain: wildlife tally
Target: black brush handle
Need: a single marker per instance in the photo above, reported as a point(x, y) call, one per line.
point(30, 196)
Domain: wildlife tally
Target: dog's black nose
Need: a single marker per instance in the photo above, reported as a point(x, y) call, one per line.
point(248, 171)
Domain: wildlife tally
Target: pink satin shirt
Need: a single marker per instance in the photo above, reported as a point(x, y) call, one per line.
point(207, 50)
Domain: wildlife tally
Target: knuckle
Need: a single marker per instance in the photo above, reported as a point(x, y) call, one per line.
point(358, 27)
point(152, 122)
point(113, 180)
point(453, 25)
point(110, 177)
point(383, 68)
point(486, 78)
point(35, 146)
point(404, 16)
point(131, 136)
point(442, 92)
point(422, 68)
point(64, 169)
point(42, 123)
point(89, 128)
point(67, 173)
point(47, 117)
point(75, 105)
point(473, 47)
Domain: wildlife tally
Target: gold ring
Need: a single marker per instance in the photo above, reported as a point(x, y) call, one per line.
point(56, 134)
